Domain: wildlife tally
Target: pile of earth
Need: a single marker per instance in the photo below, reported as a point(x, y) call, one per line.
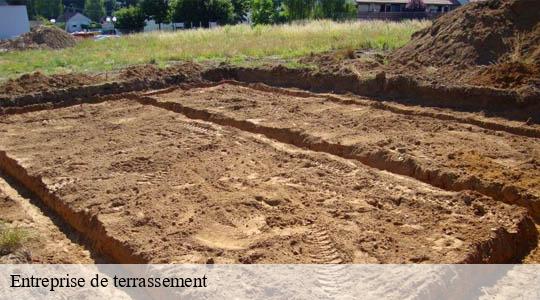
point(362, 62)
point(37, 82)
point(41, 37)
point(493, 43)
point(153, 72)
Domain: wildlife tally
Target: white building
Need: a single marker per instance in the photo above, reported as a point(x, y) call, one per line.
point(75, 23)
point(13, 21)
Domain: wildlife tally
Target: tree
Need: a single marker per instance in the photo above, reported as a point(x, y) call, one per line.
point(130, 19)
point(156, 10)
point(299, 9)
point(416, 5)
point(16, 2)
point(77, 5)
point(263, 12)
point(240, 8)
point(220, 11)
point(335, 9)
point(202, 11)
point(94, 9)
point(49, 9)
point(110, 7)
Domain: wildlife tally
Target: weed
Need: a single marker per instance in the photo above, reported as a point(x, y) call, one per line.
point(11, 238)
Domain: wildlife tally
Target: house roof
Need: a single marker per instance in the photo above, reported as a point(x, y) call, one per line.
point(68, 15)
point(427, 2)
point(79, 16)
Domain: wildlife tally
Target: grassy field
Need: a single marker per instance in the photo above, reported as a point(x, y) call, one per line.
point(229, 43)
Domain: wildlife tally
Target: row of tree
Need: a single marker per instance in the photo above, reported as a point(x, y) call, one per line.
point(190, 12)
point(201, 12)
point(197, 12)
point(277, 11)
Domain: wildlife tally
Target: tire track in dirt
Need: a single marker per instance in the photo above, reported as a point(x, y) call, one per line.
point(380, 159)
point(327, 252)
point(332, 278)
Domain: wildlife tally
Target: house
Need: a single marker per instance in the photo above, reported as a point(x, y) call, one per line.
point(397, 9)
point(13, 21)
point(75, 21)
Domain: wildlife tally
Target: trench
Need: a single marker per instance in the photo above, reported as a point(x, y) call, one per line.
point(381, 105)
point(87, 225)
point(386, 161)
point(509, 104)
point(95, 232)
point(378, 159)
point(44, 221)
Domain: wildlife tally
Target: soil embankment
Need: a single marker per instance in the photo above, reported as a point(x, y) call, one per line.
point(492, 43)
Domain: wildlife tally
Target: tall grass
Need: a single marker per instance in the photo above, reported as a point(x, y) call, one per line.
point(234, 43)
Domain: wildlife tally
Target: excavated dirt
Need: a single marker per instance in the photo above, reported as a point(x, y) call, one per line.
point(41, 37)
point(447, 153)
point(153, 72)
point(508, 75)
point(149, 185)
point(44, 243)
point(492, 43)
point(39, 82)
point(459, 45)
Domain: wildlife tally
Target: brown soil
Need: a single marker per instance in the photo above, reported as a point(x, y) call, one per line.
point(364, 63)
point(41, 37)
point(155, 186)
point(38, 82)
point(501, 34)
point(508, 75)
point(45, 242)
point(232, 172)
point(492, 43)
point(462, 151)
point(153, 72)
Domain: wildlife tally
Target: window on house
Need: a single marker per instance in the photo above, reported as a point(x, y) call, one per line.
point(395, 7)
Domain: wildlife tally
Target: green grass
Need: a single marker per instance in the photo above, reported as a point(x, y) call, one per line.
point(11, 238)
point(228, 43)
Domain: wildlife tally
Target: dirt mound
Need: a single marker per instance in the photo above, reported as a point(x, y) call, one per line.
point(37, 82)
point(508, 75)
point(343, 61)
point(494, 33)
point(152, 71)
point(41, 37)
point(140, 72)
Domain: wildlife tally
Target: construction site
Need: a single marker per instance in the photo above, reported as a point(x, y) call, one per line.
point(223, 164)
